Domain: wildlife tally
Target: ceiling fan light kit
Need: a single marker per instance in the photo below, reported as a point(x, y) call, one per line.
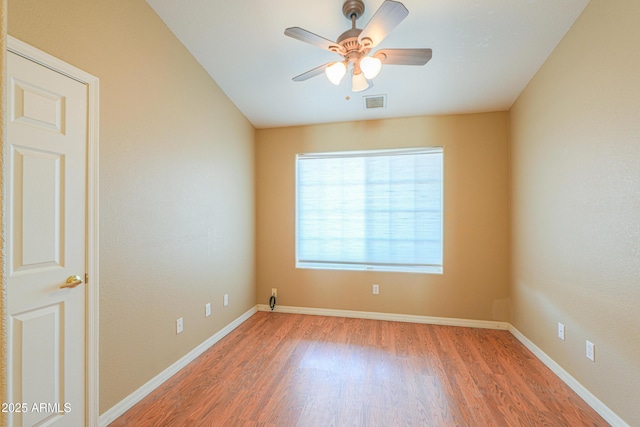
point(335, 72)
point(359, 82)
point(370, 66)
point(355, 44)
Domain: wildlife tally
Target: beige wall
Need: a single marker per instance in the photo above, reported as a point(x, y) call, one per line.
point(176, 175)
point(476, 255)
point(576, 204)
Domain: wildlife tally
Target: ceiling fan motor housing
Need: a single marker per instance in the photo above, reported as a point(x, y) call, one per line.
point(349, 39)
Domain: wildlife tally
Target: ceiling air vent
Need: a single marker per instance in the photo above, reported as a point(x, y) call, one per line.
point(375, 101)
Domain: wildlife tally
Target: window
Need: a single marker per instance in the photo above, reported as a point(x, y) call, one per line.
point(370, 210)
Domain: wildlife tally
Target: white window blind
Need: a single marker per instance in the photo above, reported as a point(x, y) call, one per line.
point(375, 210)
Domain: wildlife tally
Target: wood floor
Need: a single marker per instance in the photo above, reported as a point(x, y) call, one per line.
point(298, 370)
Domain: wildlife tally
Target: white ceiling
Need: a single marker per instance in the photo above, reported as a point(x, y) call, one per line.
point(484, 54)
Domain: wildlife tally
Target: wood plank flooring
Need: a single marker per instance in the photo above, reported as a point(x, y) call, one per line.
point(298, 370)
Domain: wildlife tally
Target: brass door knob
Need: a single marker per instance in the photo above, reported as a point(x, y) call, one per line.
point(72, 282)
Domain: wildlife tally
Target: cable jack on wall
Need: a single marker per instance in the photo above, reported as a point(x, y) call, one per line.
point(272, 300)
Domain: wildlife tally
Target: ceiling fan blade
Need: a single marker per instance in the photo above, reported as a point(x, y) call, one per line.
point(311, 73)
point(386, 18)
point(404, 56)
point(314, 39)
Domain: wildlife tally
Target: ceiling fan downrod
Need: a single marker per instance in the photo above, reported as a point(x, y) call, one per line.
point(352, 10)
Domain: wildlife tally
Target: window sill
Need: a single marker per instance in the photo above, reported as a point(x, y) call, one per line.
point(373, 268)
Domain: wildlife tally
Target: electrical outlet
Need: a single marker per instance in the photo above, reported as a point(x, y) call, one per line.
point(225, 300)
point(561, 331)
point(376, 289)
point(274, 292)
point(591, 351)
point(207, 310)
point(178, 325)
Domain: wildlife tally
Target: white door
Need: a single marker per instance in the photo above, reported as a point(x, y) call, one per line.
point(46, 237)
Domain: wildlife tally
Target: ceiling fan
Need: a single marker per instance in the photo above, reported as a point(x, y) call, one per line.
point(355, 44)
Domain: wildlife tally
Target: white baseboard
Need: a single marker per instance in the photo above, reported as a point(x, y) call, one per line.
point(580, 390)
point(410, 318)
point(128, 402)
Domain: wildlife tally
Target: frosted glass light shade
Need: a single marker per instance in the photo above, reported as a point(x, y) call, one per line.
point(335, 72)
point(370, 66)
point(359, 83)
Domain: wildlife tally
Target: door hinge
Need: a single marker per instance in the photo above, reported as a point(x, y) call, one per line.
point(86, 278)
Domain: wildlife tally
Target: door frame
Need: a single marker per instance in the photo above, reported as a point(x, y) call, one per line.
point(92, 212)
